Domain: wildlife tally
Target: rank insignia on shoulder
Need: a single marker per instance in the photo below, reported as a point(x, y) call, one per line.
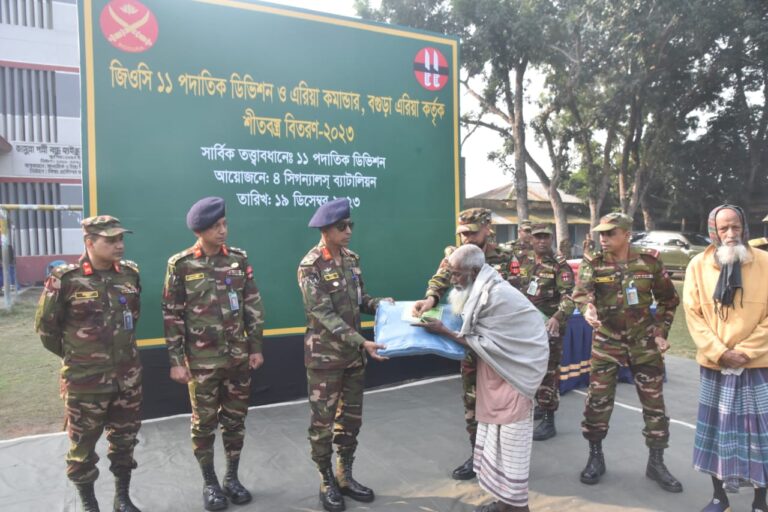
point(238, 250)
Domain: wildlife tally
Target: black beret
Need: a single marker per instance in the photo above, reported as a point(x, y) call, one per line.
point(205, 213)
point(330, 213)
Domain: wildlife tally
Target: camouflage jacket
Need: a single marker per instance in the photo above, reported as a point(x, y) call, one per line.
point(88, 318)
point(498, 257)
point(333, 298)
point(604, 283)
point(554, 281)
point(212, 310)
point(520, 248)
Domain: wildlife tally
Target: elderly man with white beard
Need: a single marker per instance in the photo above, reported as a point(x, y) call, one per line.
point(725, 298)
point(507, 332)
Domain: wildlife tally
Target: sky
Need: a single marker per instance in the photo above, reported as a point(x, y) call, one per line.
point(481, 175)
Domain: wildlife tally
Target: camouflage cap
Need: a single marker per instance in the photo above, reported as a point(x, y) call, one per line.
point(103, 225)
point(524, 225)
point(614, 220)
point(473, 219)
point(541, 228)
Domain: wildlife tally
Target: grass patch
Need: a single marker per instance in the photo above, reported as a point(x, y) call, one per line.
point(29, 374)
point(680, 341)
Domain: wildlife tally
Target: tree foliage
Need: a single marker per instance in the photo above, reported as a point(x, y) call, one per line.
point(654, 107)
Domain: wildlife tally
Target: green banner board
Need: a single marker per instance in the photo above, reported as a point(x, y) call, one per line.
point(277, 110)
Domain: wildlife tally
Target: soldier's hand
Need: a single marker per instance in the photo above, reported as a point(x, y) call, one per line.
point(422, 306)
point(591, 316)
point(255, 361)
point(733, 359)
point(553, 327)
point(373, 350)
point(662, 343)
point(180, 374)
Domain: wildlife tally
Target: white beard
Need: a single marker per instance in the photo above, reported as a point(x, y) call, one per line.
point(458, 297)
point(727, 254)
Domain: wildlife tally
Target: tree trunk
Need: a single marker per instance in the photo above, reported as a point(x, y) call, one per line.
point(518, 134)
point(558, 207)
point(648, 221)
point(626, 155)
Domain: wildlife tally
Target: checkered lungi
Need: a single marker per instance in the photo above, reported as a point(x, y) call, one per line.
point(732, 428)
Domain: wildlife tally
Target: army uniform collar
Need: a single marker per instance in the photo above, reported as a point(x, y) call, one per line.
point(87, 266)
point(197, 250)
point(326, 255)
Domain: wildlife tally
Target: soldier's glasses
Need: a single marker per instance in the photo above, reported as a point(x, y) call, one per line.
point(342, 225)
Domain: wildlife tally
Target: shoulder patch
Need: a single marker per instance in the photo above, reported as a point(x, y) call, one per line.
point(353, 254)
point(238, 251)
point(130, 264)
point(590, 256)
point(176, 257)
point(561, 259)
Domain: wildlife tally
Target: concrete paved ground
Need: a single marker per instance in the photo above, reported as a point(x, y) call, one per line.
point(412, 437)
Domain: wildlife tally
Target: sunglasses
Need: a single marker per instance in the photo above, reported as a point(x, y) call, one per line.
point(342, 225)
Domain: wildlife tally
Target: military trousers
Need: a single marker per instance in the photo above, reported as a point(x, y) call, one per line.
point(336, 411)
point(219, 397)
point(469, 392)
point(644, 359)
point(548, 394)
point(88, 415)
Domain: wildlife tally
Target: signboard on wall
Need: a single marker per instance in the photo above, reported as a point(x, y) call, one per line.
point(41, 160)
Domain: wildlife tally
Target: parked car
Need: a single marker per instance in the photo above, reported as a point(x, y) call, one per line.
point(676, 248)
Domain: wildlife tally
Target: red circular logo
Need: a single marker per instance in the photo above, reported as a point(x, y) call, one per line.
point(431, 69)
point(129, 25)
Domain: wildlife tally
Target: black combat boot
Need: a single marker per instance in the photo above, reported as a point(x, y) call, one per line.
point(330, 494)
point(545, 429)
point(656, 470)
point(123, 501)
point(466, 471)
point(234, 490)
point(595, 467)
point(348, 485)
point(88, 497)
point(213, 496)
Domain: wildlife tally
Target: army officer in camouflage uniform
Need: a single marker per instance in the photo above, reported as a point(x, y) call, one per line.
point(524, 242)
point(547, 281)
point(213, 320)
point(335, 352)
point(87, 315)
point(614, 292)
point(474, 227)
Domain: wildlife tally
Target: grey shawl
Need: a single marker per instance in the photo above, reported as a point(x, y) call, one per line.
point(506, 331)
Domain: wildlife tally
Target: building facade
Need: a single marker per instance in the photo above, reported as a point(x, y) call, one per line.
point(40, 137)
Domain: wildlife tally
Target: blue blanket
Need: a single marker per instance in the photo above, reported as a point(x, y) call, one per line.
point(404, 339)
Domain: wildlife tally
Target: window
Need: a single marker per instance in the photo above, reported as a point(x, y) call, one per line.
point(27, 13)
